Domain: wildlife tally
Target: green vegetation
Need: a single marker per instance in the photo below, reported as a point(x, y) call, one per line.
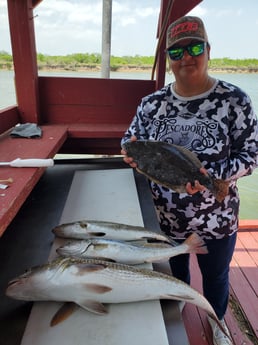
point(70, 62)
point(6, 60)
point(93, 61)
point(250, 65)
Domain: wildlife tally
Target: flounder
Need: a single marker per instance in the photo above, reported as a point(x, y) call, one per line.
point(172, 166)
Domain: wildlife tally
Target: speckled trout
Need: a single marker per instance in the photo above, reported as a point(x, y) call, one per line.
point(92, 283)
point(85, 229)
point(172, 166)
point(128, 252)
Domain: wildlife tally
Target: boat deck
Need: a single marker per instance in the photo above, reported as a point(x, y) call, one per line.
point(242, 313)
point(27, 242)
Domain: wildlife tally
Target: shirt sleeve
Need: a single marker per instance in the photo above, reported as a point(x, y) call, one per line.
point(137, 126)
point(243, 137)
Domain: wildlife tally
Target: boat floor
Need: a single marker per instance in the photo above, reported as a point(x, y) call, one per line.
point(27, 242)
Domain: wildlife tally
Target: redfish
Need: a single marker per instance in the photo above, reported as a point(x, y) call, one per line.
point(130, 252)
point(85, 229)
point(91, 284)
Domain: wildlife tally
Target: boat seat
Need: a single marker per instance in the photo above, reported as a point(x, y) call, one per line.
point(96, 111)
point(24, 179)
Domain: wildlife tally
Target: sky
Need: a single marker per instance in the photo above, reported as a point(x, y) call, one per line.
point(65, 27)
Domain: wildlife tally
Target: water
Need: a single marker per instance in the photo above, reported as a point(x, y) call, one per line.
point(248, 186)
point(7, 89)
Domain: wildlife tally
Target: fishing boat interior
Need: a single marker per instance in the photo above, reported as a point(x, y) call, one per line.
point(81, 132)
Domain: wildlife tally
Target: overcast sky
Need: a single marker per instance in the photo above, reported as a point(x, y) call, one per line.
point(74, 26)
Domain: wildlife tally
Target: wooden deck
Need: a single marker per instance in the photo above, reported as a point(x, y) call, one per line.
point(242, 313)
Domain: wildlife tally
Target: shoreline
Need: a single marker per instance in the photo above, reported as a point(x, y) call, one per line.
point(138, 69)
point(132, 69)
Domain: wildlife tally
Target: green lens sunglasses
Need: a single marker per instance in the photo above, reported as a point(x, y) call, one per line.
point(195, 49)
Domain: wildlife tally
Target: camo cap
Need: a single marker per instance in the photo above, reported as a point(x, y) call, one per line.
point(187, 27)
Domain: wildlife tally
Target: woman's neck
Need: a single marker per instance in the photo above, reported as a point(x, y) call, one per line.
point(194, 87)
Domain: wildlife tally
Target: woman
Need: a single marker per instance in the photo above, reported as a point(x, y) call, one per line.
point(216, 121)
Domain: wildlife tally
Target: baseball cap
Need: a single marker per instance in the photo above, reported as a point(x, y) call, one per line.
point(187, 27)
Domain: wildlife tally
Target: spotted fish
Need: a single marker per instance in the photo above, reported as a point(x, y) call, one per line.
point(128, 252)
point(86, 229)
point(91, 283)
point(172, 166)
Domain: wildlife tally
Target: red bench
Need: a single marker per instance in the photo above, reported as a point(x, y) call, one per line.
point(24, 179)
point(96, 111)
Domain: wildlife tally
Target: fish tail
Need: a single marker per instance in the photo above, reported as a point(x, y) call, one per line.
point(196, 244)
point(221, 188)
point(220, 325)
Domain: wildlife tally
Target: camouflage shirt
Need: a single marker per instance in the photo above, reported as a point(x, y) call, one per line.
point(220, 126)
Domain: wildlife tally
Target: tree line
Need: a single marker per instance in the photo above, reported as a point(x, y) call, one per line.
point(93, 60)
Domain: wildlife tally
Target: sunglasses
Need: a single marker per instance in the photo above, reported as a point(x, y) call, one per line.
point(195, 49)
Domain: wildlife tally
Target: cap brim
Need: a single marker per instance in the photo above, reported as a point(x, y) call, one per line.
point(188, 38)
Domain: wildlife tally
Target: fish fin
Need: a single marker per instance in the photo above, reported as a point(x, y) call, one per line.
point(177, 298)
point(90, 267)
point(196, 244)
point(144, 173)
point(221, 189)
point(63, 313)
point(102, 258)
point(100, 246)
point(158, 239)
point(99, 289)
point(94, 307)
point(173, 242)
point(152, 178)
point(155, 245)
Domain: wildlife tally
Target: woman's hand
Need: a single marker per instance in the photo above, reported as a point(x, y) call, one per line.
point(129, 160)
point(197, 186)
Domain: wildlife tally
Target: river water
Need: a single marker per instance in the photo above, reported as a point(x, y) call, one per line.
point(248, 186)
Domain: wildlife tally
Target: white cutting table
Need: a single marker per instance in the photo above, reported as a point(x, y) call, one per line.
point(109, 195)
